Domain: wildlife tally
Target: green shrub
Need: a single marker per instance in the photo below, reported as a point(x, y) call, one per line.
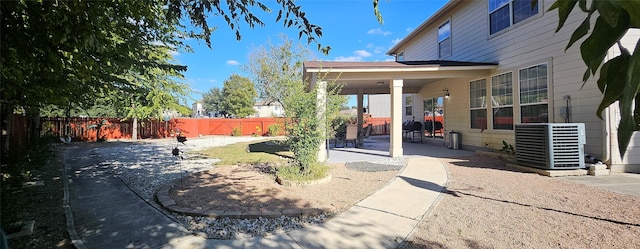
point(237, 131)
point(506, 147)
point(273, 130)
point(293, 172)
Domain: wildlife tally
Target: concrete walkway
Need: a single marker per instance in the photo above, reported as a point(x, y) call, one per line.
point(623, 183)
point(106, 214)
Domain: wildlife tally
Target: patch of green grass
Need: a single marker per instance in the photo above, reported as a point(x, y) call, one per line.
point(267, 151)
point(292, 172)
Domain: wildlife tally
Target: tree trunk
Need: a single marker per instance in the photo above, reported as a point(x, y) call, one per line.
point(134, 136)
point(134, 130)
point(5, 127)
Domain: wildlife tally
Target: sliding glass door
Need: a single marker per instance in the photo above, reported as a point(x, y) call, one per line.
point(434, 117)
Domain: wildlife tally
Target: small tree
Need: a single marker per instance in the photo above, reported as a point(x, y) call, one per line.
point(213, 100)
point(277, 71)
point(239, 96)
point(304, 127)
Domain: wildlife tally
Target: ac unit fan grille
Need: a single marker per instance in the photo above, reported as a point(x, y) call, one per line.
point(550, 146)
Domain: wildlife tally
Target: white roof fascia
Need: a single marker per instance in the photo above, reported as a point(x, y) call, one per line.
point(406, 69)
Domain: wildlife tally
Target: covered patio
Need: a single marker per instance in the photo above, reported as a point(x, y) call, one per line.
point(389, 77)
point(376, 148)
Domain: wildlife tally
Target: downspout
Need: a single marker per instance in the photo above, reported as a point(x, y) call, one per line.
point(607, 137)
point(606, 153)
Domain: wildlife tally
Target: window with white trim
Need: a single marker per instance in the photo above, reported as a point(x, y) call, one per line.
point(534, 98)
point(478, 104)
point(504, 13)
point(400, 56)
point(502, 101)
point(444, 39)
point(408, 106)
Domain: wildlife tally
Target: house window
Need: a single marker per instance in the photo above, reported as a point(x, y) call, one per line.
point(534, 97)
point(444, 39)
point(502, 101)
point(400, 56)
point(408, 106)
point(504, 13)
point(478, 104)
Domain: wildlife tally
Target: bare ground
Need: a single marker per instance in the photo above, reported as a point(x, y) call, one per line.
point(242, 188)
point(489, 206)
point(486, 205)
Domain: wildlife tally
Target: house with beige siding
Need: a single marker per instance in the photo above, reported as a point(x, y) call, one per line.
point(500, 63)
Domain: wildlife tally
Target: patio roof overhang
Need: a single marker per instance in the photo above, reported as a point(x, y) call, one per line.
point(375, 77)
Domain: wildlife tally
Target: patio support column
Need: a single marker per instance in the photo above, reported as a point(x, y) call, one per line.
point(360, 114)
point(395, 147)
point(321, 107)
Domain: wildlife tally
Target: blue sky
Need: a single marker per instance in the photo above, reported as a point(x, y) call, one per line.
point(349, 27)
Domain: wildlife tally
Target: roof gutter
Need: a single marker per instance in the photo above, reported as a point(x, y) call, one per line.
point(407, 69)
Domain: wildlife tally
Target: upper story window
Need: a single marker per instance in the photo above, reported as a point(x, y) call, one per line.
point(444, 39)
point(504, 13)
point(400, 56)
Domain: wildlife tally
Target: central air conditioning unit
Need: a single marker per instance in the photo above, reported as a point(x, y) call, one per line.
point(550, 146)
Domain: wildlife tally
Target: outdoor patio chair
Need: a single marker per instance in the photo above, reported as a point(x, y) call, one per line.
point(428, 127)
point(406, 128)
point(417, 127)
point(437, 128)
point(338, 138)
point(367, 131)
point(351, 135)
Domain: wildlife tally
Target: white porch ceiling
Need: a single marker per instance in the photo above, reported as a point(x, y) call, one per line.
point(375, 77)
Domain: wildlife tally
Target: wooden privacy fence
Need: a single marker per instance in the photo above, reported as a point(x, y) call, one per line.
point(382, 126)
point(194, 127)
point(86, 129)
point(379, 126)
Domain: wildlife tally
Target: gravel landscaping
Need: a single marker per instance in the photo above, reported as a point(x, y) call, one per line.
point(150, 165)
point(486, 205)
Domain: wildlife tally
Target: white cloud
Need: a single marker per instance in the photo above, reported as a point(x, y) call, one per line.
point(233, 62)
point(395, 41)
point(378, 32)
point(376, 49)
point(409, 30)
point(362, 53)
point(359, 55)
point(348, 59)
point(174, 53)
